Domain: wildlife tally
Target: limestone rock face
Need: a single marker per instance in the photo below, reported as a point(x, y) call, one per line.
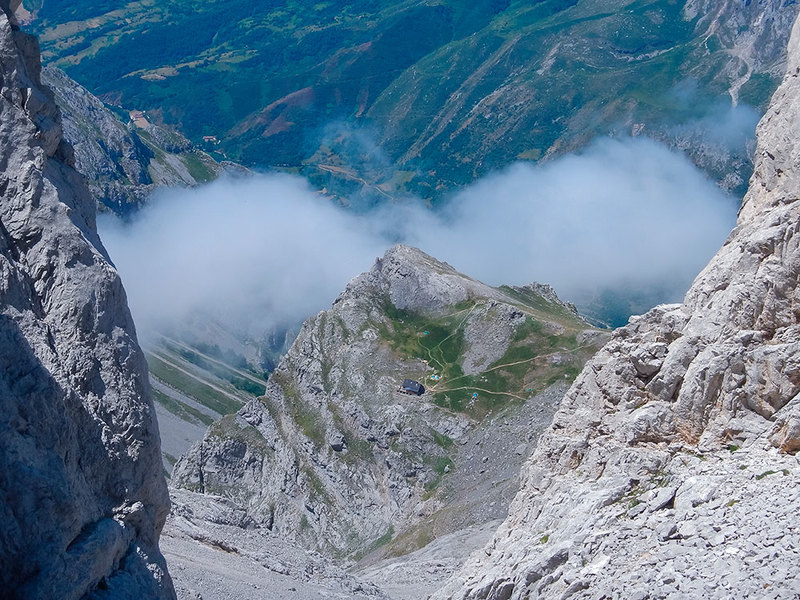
point(337, 458)
point(669, 464)
point(124, 164)
point(82, 495)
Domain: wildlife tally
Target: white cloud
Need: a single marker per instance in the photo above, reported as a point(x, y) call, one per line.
point(268, 250)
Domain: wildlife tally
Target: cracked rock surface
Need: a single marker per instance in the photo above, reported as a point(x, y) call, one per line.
point(82, 495)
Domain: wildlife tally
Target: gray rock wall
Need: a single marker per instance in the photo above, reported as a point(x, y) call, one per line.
point(669, 470)
point(82, 495)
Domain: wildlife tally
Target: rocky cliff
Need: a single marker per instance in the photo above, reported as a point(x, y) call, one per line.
point(123, 162)
point(337, 458)
point(82, 495)
point(670, 471)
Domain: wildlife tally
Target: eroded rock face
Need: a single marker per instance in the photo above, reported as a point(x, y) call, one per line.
point(122, 164)
point(669, 462)
point(82, 496)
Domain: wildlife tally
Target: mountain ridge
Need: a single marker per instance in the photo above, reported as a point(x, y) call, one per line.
point(336, 458)
point(337, 92)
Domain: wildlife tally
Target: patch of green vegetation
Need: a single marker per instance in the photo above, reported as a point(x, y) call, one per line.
point(343, 328)
point(764, 474)
point(440, 465)
point(530, 299)
point(524, 370)
point(731, 502)
point(326, 367)
point(758, 89)
point(385, 538)
point(411, 540)
point(544, 539)
point(442, 440)
point(222, 371)
point(180, 409)
point(732, 447)
point(203, 393)
point(317, 487)
point(197, 168)
point(358, 449)
point(229, 357)
point(228, 428)
point(309, 424)
point(437, 340)
point(307, 418)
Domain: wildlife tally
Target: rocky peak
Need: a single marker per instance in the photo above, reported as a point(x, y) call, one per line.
point(776, 178)
point(413, 280)
point(663, 446)
point(82, 495)
point(23, 66)
point(336, 457)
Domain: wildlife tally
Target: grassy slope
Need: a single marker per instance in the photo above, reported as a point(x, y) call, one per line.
point(219, 383)
point(525, 369)
point(544, 350)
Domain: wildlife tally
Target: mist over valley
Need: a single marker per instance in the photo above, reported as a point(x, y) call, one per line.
point(399, 299)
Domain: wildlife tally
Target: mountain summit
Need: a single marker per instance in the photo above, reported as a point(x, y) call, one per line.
point(339, 458)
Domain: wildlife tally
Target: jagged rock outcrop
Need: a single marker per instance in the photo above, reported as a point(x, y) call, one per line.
point(754, 35)
point(336, 457)
point(82, 494)
point(669, 470)
point(124, 164)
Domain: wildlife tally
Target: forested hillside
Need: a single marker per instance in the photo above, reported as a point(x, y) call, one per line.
point(387, 97)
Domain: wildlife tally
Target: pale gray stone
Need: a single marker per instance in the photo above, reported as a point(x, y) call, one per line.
point(82, 494)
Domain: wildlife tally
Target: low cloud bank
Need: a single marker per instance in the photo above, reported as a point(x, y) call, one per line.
point(267, 251)
point(254, 253)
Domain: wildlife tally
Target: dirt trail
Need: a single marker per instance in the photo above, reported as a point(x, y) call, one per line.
point(244, 374)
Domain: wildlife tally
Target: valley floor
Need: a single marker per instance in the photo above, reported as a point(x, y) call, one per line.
point(213, 555)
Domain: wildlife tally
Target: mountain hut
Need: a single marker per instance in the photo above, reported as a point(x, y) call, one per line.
point(414, 388)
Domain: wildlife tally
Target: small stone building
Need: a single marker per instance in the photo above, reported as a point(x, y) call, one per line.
point(414, 388)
